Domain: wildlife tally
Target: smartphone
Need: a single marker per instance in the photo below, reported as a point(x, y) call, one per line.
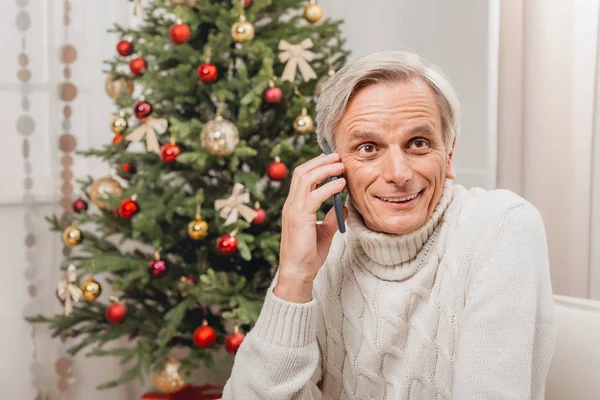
point(337, 198)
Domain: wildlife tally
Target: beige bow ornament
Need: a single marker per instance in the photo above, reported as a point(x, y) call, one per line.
point(297, 56)
point(67, 291)
point(137, 4)
point(235, 205)
point(149, 128)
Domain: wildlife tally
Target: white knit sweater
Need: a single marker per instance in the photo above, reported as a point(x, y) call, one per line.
point(461, 308)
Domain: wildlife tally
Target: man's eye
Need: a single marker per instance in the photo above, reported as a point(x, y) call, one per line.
point(367, 149)
point(420, 144)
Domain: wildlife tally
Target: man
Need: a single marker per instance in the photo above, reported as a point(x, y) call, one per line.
point(434, 292)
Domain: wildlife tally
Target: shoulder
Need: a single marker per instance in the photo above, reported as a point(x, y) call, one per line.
point(489, 208)
point(481, 217)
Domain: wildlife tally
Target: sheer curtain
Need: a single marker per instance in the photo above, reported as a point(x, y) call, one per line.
point(548, 117)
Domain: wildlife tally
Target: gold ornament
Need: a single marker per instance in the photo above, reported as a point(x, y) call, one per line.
point(198, 228)
point(116, 87)
point(91, 289)
point(149, 128)
point(72, 236)
point(187, 3)
point(303, 123)
point(119, 123)
point(313, 12)
point(242, 30)
point(235, 205)
point(101, 188)
point(66, 291)
point(170, 379)
point(297, 56)
point(219, 136)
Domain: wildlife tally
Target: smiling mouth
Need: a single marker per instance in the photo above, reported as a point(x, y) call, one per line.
point(400, 200)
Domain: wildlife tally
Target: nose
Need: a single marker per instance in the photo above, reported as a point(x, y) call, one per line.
point(396, 168)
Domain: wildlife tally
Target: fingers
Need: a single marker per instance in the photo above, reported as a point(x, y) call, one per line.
point(309, 166)
point(315, 198)
point(326, 231)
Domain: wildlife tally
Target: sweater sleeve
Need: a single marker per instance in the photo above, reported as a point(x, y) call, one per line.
point(506, 333)
point(279, 358)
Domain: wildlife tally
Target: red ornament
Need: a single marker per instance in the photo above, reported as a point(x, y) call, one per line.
point(157, 268)
point(142, 109)
point(226, 245)
point(170, 152)
point(272, 95)
point(119, 142)
point(126, 170)
point(207, 72)
point(80, 205)
point(248, 2)
point(138, 66)
point(277, 170)
point(261, 217)
point(128, 208)
point(125, 48)
point(179, 32)
point(205, 336)
point(116, 313)
point(233, 342)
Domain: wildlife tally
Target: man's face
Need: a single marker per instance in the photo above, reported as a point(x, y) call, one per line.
point(391, 142)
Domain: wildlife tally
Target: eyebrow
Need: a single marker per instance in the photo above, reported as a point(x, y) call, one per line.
point(419, 129)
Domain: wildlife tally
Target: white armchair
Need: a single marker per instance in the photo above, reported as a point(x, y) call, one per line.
point(575, 369)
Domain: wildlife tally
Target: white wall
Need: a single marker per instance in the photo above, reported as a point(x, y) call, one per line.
point(461, 37)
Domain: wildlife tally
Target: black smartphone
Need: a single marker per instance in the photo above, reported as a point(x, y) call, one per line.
point(337, 198)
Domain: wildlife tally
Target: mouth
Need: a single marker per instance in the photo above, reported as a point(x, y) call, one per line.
point(400, 202)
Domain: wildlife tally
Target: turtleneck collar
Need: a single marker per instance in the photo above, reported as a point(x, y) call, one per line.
point(383, 254)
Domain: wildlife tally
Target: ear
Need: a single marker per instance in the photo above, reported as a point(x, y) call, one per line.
point(450, 174)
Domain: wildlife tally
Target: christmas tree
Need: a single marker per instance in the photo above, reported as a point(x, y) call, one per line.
point(186, 230)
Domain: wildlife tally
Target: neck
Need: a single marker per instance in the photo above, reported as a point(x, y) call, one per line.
point(384, 254)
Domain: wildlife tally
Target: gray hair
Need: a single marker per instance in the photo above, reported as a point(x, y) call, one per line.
point(387, 66)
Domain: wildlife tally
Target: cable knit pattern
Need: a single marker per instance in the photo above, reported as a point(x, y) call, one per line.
point(460, 308)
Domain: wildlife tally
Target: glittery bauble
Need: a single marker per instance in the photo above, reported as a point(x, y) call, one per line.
point(303, 123)
point(116, 313)
point(128, 208)
point(157, 268)
point(204, 336)
point(261, 217)
point(102, 188)
point(80, 205)
point(272, 95)
point(207, 72)
point(170, 379)
point(219, 137)
point(125, 48)
point(91, 289)
point(138, 66)
point(118, 124)
point(313, 12)
point(142, 109)
point(180, 33)
point(242, 30)
point(233, 342)
point(277, 171)
point(116, 87)
point(198, 229)
point(226, 245)
point(169, 152)
point(72, 236)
